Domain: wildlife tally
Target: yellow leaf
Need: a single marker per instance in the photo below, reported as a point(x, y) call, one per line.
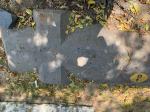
point(135, 8)
point(91, 2)
point(139, 77)
point(124, 27)
point(33, 23)
point(72, 29)
point(147, 27)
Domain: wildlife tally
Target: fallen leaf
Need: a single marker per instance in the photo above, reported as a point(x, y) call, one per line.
point(135, 8)
point(91, 2)
point(146, 27)
point(29, 11)
point(139, 77)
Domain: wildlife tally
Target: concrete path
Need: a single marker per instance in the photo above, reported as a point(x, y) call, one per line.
point(23, 107)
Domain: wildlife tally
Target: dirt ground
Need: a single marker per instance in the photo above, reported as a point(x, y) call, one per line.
point(125, 16)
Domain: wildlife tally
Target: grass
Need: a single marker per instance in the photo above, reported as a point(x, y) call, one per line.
point(27, 87)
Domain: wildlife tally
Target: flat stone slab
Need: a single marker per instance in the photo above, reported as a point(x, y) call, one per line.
point(20, 52)
point(101, 64)
point(93, 53)
point(104, 55)
point(28, 49)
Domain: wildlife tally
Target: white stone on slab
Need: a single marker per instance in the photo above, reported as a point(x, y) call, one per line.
point(82, 61)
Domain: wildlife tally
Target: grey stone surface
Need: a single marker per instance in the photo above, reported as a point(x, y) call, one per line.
point(52, 71)
point(48, 37)
point(5, 19)
point(103, 60)
point(19, 50)
point(48, 23)
point(93, 53)
point(27, 49)
point(84, 43)
point(23, 107)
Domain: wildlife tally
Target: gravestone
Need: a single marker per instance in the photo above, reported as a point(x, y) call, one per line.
point(93, 53)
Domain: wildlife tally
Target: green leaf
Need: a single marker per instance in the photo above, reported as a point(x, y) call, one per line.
point(79, 26)
point(33, 24)
point(91, 2)
point(21, 17)
point(29, 11)
point(72, 29)
point(147, 27)
point(88, 17)
point(2, 62)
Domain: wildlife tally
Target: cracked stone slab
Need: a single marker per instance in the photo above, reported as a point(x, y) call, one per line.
point(105, 55)
point(50, 28)
point(30, 49)
point(93, 53)
point(101, 62)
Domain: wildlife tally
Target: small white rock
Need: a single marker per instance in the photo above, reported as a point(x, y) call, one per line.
point(82, 61)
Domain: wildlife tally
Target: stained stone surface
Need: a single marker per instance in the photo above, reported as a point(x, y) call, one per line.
point(93, 53)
